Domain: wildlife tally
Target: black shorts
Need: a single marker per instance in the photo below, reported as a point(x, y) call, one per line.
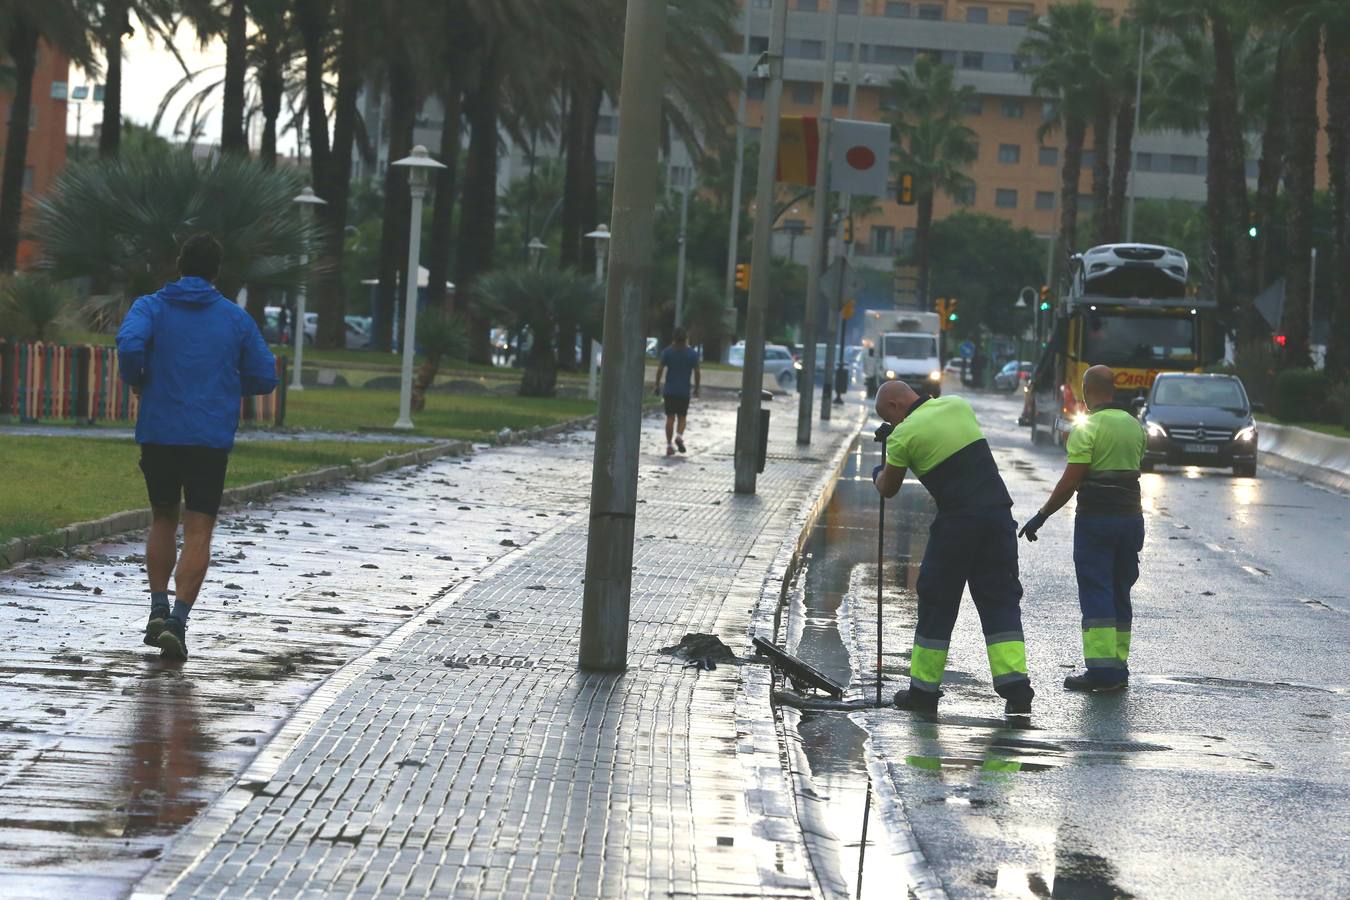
point(195, 475)
point(676, 406)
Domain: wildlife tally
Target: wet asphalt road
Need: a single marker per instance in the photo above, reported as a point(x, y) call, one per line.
point(1222, 771)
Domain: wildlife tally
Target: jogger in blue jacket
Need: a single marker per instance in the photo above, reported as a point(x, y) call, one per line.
point(191, 355)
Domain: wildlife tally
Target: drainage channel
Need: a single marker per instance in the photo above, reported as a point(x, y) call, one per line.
point(834, 593)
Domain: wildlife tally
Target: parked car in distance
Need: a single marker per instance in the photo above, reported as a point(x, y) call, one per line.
point(1013, 375)
point(778, 362)
point(1199, 420)
point(955, 367)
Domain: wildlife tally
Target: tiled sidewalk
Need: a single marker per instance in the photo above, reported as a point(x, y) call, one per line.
point(465, 756)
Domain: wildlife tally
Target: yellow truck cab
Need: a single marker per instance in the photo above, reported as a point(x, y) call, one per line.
point(1128, 306)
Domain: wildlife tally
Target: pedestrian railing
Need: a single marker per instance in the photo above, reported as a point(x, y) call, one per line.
point(47, 381)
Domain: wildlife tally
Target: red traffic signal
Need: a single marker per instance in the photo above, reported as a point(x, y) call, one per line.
point(1281, 340)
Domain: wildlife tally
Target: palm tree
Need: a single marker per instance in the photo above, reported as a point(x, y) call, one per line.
point(23, 25)
point(112, 24)
point(540, 303)
point(123, 220)
point(931, 143)
point(440, 334)
point(1057, 52)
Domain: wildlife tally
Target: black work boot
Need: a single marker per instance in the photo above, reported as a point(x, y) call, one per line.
point(1088, 684)
point(925, 702)
point(173, 640)
point(1018, 703)
point(156, 625)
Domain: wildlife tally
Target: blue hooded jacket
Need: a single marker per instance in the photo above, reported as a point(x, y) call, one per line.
point(193, 354)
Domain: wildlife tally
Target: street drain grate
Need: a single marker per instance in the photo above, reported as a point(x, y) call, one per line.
point(494, 660)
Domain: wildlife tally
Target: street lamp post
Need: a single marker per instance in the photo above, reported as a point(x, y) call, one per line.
point(307, 200)
point(601, 237)
point(536, 248)
point(419, 164)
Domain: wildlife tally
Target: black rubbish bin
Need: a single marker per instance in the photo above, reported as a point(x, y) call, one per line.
point(762, 439)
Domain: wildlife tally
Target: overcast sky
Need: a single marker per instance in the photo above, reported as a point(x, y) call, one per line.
point(149, 71)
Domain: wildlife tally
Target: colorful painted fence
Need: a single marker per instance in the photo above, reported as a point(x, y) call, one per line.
point(44, 381)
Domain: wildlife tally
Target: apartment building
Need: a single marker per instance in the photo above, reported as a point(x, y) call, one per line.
point(46, 131)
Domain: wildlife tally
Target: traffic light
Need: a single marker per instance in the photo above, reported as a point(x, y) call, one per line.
point(1281, 340)
point(742, 276)
point(946, 310)
point(848, 230)
point(904, 191)
point(1252, 229)
point(1045, 297)
point(951, 314)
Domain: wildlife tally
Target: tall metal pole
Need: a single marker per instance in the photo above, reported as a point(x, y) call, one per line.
point(752, 375)
point(831, 310)
point(418, 191)
point(1138, 101)
point(614, 472)
point(819, 239)
point(733, 237)
point(299, 326)
point(679, 262)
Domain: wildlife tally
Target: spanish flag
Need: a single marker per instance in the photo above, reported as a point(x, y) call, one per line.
point(798, 146)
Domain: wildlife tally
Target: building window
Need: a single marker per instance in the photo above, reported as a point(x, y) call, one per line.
point(604, 171)
point(805, 49)
point(892, 56)
point(907, 241)
point(1009, 153)
point(1005, 198)
point(972, 59)
point(607, 125)
point(754, 89)
point(848, 7)
point(840, 95)
point(803, 92)
point(883, 240)
point(888, 103)
point(1019, 16)
point(1089, 160)
point(930, 11)
point(1048, 156)
point(1012, 109)
point(974, 106)
point(759, 44)
point(808, 5)
point(1045, 199)
point(1048, 111)
point(966, 196)
point(27, 178)
point(1143, 162)
point(898, 10)
point(977, 15)
point(1086, 204)
point(1185, 165)
point(762, 4)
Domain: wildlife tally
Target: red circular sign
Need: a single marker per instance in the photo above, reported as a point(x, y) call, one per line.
point(861, 158)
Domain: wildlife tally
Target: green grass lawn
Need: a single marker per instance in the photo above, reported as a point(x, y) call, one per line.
point(55, 481)
point(467, 417)
point(1333, 430)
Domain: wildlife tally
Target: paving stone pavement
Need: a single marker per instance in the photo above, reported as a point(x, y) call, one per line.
point(463, 754)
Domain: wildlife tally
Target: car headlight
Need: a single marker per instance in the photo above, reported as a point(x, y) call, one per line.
point(890, 373)
point(1156, 430)
point(796, 365)
point(1079, 419)
point(935, 375)
point(1246, 434)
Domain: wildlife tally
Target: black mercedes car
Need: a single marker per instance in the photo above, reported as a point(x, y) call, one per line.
point(1199, 420)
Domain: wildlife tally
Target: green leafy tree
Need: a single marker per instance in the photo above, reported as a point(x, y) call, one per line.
point(986, 283)
point(539, 304)
point(32, 306)
point(933, 144)
point(440, 335)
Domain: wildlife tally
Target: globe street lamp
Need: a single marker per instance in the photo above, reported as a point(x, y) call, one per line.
point(419, 165)
point(536, 248)
point(307, 200)
point(601, 237)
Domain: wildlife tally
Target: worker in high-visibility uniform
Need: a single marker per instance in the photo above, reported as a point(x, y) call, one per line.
point(1103, 469)
point(973, 540)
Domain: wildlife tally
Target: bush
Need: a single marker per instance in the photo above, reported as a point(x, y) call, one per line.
point(1300, 395)
point(1340, 404)
point(32, 307)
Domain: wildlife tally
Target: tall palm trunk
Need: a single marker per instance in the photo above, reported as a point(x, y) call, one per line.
point(1338, 162)
point(1120, 170)
point(22, 47)
point(1227, 186)
point(440, 244)
point(312, 16)
point(1101, 169)
point(394, 236)
point(1301, 101)
point(923, 230)
point(271, 87)
point(1269, 172)
point(569, 220)
point(116, 23)
point(232, 136)
point(1075, 133)
point(477, 236)
point(579, 200)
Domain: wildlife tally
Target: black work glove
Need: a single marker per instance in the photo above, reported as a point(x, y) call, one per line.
point(1033, 525)
point(876, 472)
point(883, 432)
